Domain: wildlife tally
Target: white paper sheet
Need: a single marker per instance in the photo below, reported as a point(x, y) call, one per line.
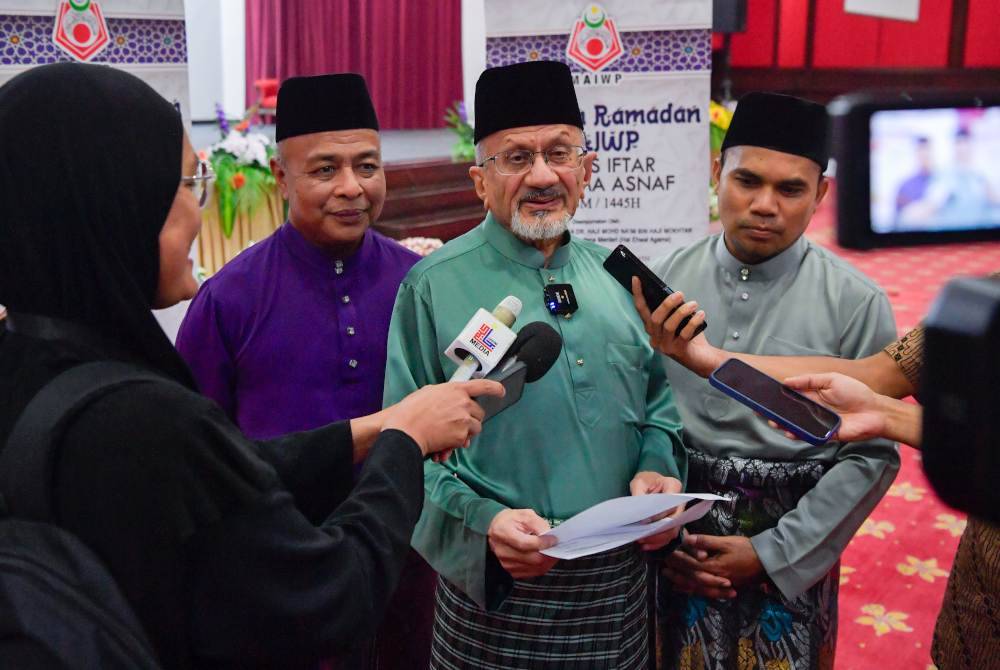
point(619, 521)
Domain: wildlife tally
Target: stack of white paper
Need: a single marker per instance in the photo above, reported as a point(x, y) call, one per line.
point(619, 521)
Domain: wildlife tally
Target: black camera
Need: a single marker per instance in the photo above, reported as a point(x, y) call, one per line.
point(926, 168)
point(960, 392)
point(920, 168)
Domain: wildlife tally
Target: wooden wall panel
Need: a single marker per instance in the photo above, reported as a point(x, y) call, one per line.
point(755, 47)
point(920, 44)
point(982, 39)
point(824, 85)
point(793, 16)
point(842, 39)
point(787, 41)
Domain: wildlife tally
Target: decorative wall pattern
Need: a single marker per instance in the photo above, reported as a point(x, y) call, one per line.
point(645, 51)
point(27, 41)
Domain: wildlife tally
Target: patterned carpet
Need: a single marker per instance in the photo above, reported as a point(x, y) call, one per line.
point(894, 572)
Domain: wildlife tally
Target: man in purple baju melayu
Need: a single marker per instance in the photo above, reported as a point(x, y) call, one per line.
point(291, 334)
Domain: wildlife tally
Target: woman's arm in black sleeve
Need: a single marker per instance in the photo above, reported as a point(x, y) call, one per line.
point(289, 588)
point(209, 547)
point(315, 466)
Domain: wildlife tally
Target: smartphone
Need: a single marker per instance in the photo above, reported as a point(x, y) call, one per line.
point(790, 409)
point(622, 264)
point(513, 378)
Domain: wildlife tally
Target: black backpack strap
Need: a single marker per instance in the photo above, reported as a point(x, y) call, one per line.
point(27, 463)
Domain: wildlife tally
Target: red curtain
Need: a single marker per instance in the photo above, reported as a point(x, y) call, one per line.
point(409, 51)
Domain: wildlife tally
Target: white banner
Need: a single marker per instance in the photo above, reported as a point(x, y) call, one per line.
point(530, 17)
point(144, 37)
point(148, 9)
point(642, 73)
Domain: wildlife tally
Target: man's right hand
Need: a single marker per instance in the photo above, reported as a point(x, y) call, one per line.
point(693, 352)
point(441, 417)
point(515, 538)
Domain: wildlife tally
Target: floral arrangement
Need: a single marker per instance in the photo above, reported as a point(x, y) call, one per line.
point(458, 120)
point(718, 119)
point(718, 123)
point(241, 160)
point(422, 245)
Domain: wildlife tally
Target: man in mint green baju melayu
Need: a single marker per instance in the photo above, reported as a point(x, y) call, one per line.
point(600, 424)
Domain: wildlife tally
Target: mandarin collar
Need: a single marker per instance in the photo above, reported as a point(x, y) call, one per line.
point(772, 268)
point(506, 243)
point(318, 259)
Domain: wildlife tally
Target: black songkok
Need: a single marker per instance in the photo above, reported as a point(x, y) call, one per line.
point(525, 94)
point(782, 123)
point(326, 102)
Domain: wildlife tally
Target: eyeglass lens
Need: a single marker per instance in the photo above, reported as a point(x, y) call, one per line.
point(521, 160)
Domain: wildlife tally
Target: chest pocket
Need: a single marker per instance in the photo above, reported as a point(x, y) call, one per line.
point(628, 380)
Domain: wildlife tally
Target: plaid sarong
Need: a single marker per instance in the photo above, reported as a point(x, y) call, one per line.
point(585, 613)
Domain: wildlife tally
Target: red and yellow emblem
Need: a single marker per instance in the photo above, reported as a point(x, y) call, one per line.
point(80, 29)
point(594, 43)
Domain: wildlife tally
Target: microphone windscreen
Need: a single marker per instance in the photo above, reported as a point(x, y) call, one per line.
point(537, 346)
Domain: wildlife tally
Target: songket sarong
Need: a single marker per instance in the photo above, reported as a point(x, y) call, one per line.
point(760, 629)
point(588, 613)
point(967, 635)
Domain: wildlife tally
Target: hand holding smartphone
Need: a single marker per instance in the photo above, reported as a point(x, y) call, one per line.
point(622, 264)
point(790, 409)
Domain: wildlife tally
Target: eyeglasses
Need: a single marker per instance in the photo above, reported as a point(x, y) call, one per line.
point(519, 161)
point(199, 181)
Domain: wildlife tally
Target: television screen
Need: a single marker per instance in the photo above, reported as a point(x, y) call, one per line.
point(935, 170)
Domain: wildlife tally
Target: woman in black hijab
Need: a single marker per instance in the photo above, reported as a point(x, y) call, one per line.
point(210, 536)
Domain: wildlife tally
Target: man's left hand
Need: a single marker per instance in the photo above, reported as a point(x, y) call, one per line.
point(653, 482)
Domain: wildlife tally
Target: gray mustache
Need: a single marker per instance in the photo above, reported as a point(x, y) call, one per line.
point(543, 194)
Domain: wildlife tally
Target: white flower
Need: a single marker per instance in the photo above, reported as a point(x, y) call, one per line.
point(247, 149)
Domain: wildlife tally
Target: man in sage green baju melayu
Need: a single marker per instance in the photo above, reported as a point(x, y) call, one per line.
point(600, 424)
point(755, 585)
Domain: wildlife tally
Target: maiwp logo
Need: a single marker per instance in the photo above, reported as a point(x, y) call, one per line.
point(80, 29)
point(483, 339)
point(594, 43)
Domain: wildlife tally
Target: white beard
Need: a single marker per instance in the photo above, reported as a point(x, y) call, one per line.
point(538, 227)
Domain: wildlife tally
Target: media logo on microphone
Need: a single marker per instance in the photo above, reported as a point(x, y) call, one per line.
point(483, 339)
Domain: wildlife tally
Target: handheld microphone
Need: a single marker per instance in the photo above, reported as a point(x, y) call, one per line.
point(484, 340)
point(537, 346)
point(531, 355)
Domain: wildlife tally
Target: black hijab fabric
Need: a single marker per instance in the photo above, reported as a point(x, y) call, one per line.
point(90, 163)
